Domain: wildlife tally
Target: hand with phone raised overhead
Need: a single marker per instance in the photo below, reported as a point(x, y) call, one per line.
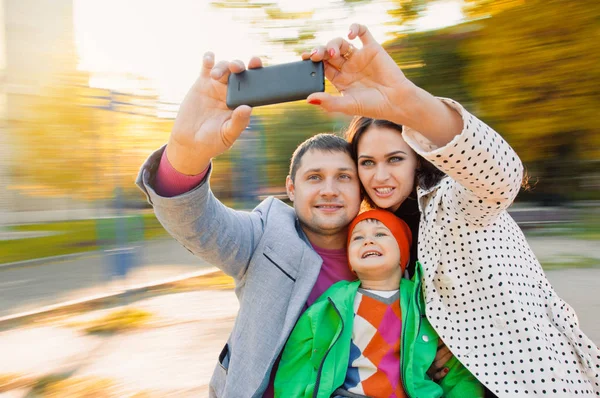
point(205, 127)
point(372, 85)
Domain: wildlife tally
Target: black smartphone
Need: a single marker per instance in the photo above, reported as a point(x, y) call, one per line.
point(274, 84)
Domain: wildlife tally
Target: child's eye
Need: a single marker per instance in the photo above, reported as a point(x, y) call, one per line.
point(380, 234)
point(356, 237)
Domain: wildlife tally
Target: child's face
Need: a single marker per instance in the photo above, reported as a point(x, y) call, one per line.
point(373, 251)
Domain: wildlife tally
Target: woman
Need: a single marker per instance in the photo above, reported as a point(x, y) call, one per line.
point(486, 293)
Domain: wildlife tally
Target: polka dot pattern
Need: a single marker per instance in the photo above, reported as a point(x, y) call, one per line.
point(487, 295)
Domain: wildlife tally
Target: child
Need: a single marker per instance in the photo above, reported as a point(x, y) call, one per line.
point(370, 338)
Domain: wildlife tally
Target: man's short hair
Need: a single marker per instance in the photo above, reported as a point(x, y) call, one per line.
point(320, 142)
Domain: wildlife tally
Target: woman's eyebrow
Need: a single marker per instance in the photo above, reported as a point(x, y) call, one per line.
point(386, 155)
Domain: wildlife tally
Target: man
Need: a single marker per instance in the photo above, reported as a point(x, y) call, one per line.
point(281, 258)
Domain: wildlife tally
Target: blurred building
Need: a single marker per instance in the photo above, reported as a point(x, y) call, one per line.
point(38, 50)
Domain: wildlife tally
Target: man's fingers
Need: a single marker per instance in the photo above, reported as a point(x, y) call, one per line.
point(237, 66)
point(208, 61)
point(362, 32)
point(254, 63)
point(233, 128)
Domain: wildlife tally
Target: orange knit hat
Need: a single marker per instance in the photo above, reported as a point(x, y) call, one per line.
point(397, 227)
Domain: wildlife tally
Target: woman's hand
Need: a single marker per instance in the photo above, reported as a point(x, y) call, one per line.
point(205, 127)
point(373, 85)
point(438, 370)
point(369, 80)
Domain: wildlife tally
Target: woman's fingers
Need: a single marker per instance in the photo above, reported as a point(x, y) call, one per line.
point(442, 356)
point(439, 375)
point(331, 103)
point(362, 32)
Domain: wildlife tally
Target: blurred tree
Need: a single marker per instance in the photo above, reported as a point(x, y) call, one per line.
point(433, 60)
point(70, 148)
point(534, 71)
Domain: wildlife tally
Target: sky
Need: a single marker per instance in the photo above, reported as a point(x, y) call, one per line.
point(164, 40)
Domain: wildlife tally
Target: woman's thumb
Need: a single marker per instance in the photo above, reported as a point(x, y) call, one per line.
point(233, 128)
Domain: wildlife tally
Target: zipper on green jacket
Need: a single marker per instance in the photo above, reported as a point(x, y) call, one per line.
point(402, 378)
point(315, 392)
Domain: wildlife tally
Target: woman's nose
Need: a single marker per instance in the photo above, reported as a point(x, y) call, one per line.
point(381, 173)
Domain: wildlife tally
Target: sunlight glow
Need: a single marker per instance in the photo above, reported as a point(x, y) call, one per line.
point(162, 42)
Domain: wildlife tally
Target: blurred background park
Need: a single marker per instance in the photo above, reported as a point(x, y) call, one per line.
point(90, 87)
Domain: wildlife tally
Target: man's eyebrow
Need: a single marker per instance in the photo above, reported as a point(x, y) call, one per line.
point(386, 155)
point(318, 169)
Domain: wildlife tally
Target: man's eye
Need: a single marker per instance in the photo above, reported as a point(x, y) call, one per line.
point(345, 177)
point(313, 177)
point(367, 163)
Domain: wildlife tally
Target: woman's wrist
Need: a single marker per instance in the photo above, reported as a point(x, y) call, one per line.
point(431, 117)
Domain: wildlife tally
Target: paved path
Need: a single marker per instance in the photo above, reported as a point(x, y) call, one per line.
point(175, 354)
point(26, 288)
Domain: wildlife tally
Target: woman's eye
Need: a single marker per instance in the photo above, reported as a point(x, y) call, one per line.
point(395, 159)
point(367, 163)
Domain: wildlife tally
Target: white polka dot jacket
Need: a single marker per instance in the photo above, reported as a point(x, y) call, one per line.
point(485, 291)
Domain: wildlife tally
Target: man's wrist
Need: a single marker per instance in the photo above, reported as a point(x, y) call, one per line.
point(184, 160)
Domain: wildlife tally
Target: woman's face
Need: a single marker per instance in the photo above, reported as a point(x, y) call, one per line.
point(386, 166)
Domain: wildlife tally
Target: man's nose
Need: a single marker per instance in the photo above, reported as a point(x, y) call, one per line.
point(330, 187)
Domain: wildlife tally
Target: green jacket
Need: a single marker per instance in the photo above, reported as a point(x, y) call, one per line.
point(315, 358)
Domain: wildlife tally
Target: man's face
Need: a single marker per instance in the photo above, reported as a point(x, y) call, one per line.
point(325, 193)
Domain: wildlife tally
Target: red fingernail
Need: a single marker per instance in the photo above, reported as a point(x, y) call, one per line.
point(315, 101)
point(331, 52)
point(446, 370)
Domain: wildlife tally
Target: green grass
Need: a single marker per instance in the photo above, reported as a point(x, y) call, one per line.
point(570, 262)
point(586, 227)
point(75, 237)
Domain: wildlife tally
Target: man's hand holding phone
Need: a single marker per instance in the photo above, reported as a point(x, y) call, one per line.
point(205, 127)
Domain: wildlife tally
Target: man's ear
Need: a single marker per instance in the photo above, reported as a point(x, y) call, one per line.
point(289, 188)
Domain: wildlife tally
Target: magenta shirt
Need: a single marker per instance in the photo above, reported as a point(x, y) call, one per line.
point(169, 182)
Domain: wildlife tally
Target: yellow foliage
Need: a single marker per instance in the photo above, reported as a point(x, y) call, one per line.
point(534, 72)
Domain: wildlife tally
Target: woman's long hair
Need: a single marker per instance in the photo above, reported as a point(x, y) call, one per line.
point(426, 176)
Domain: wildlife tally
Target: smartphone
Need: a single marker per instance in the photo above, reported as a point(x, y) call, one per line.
point(275, 84)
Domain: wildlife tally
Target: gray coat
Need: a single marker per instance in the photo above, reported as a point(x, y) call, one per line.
point(267, 254)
